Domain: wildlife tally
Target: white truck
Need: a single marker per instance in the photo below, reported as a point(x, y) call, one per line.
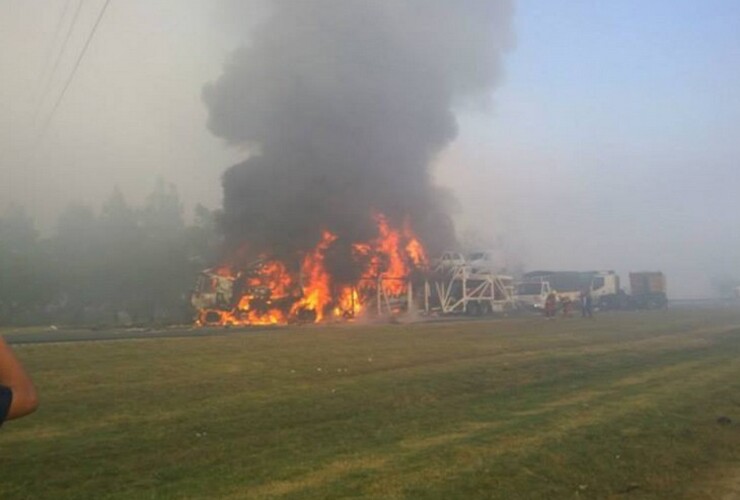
point(532, 294)
point(603, 286)
point(606, 291)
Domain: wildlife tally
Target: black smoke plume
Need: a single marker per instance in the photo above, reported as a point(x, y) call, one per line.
point(344, 104)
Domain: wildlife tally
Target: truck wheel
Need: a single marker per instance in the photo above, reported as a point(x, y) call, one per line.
point(607, 303)
point(473, 309)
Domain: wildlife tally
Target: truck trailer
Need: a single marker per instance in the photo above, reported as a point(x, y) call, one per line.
point(648, 290)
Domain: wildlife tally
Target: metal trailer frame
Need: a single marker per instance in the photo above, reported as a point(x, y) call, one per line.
point(466, 292)
point(383, 299)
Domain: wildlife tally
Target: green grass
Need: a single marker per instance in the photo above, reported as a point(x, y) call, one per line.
point(624, 406)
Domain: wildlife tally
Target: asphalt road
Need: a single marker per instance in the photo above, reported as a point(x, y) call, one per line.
point(50, 335)
point(86, 335)
point(66, 334)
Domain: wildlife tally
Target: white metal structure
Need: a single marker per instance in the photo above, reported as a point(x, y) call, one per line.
point(389, 303)
point(483, 261)
point(462, 291)
point(448, 261)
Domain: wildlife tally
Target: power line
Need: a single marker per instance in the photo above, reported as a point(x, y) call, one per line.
point(76, 66)
point(57, 30)
point(42, 97)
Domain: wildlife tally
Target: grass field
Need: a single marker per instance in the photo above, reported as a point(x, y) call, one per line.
point(624, 406)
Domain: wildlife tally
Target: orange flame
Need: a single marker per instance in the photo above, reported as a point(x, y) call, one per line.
point(317, 284)
point(273, 295)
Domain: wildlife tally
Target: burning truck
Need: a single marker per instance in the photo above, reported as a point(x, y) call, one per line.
point(269, 291)
point(342, 108)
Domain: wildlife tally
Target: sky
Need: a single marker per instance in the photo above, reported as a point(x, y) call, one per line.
point(610, 144)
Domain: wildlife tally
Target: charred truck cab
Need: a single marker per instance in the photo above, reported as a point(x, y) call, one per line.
point(221, 298)
point(213, 295)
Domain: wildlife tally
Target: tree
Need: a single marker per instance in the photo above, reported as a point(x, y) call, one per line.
point(163, 210)
point(78, 263)
point(25, 283)
point(163, 269)
point(127, 263)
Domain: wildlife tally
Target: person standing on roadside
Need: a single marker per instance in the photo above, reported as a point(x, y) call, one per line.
point(583, 303)
point(550, 305)
point(567, 303)
point(17, 393)
point(587, 305)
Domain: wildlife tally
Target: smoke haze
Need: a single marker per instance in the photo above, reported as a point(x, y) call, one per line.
point(346, 103)
point(610, 144)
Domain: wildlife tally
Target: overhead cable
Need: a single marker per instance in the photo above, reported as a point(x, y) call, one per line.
point(76, 66)
point(42, 96)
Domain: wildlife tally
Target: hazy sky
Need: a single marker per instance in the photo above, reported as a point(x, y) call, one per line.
point(612, 142)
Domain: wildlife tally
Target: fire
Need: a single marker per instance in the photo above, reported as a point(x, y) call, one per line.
point(348, 304)
point(270, 284)
point(414, 248)
point(317, 285)
point(269, 293)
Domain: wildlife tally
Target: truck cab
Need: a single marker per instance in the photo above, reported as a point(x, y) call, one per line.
point(605, 290)
point(212, 290)
point(213, 294)
point(531, 294)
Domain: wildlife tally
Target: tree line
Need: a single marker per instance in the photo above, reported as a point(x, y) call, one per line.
point(120, 265)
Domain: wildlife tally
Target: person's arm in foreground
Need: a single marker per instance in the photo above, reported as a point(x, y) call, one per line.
point(15, 385)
